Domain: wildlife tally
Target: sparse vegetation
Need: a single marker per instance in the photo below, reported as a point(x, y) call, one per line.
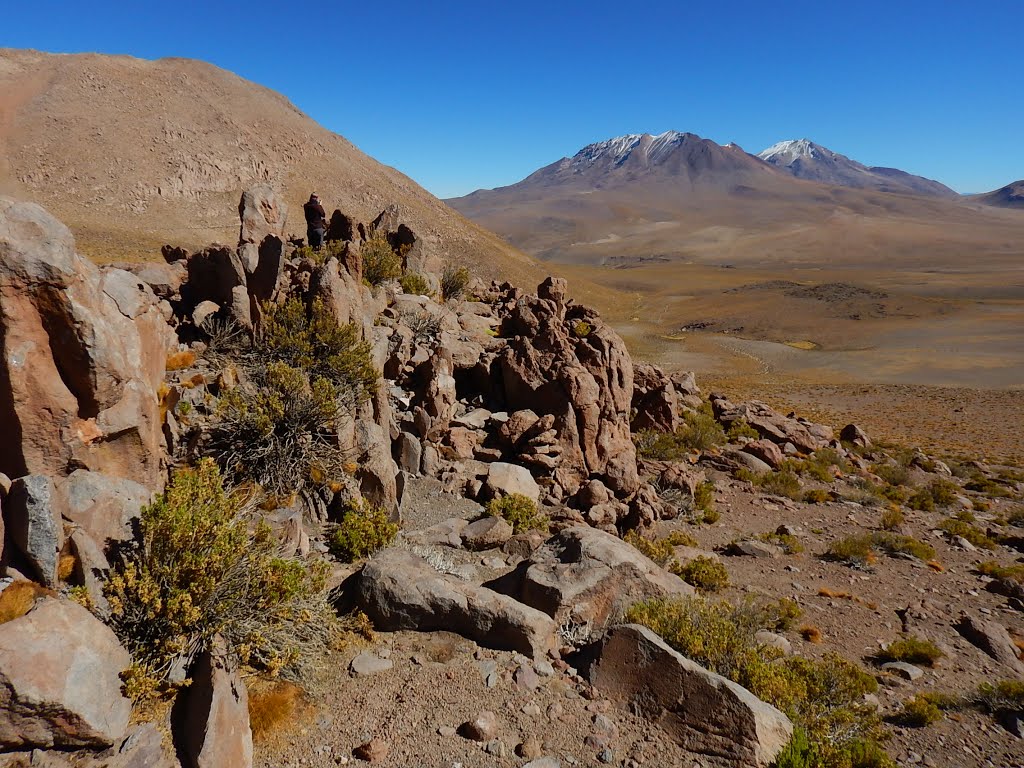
point(1001, 696)
point(318, 345)
point(204, 568)
point(520, 512)
point(660, 550)
point(823, 464)
point(857, 551)
point(824, 698)
point(272, 703)
point(18, 597)
point(817, 496)
point(416, 284)
point(454, 281)
point(699, 432)
point(704, 573)
point(913, 650)
point(581, 329)
point(281, 435)
point(891, 519)
point(364, 528)
point(938, 493)
point(893, 473)
point(810, 633)
point(740, 429)
point(918, 712)
point(790, 544)
point(894, 543)
point(963, 529)
point(704, 503)
point(783, 483)
point(380, 262)
point(992, 569)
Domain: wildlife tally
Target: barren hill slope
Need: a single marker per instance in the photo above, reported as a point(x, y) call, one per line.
point(1010, 196)
point(133, 153)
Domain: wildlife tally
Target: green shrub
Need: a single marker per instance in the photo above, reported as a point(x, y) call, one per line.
point(857, 551)
point(783, 483)
point(740, 429)
point(416, 284)
point(816, 496)
point(790, 544)
point(944, 492)
point(281, 435)
point(988, 487)
point(1002, 696)
point(918, 713)
point(994, 570)
point(704, 573)
point(1016, 517)
point(913, 650)
point(364, 528)
point(454, 281)
point(895, 544)
point(892, 473)
point(819, 464)
point(824, 698)
point(785, 612)
point(660, 550)
point(965, 530)
point(380, 262)
point(704, 503)
point(520, 511)
point(202, 569)
point(316, 343)
point(922, 501)
point(581, 329)
point(892, 518)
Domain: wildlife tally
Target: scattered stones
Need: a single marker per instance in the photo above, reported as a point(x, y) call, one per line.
point(367, 663)
point(904, 670)
point(482, 728)
point(373, 751)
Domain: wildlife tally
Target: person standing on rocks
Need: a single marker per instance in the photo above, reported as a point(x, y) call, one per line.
point(316, 222)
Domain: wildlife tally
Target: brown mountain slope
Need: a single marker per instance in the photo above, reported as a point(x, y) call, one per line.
point(1010, 196)
point(132, 154)
point(679, 198)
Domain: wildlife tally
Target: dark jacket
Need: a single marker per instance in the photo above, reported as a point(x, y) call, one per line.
point(316, 217)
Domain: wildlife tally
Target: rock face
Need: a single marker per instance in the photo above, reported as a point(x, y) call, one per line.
point(59, 680)
point(399, 590)
point(563, 361)
point(215, 730)
point(34, 525)
point(83, 356)
point(806, 436)
point(993, 639)
point(710, 716)
point(655, 401)
point(588, 575)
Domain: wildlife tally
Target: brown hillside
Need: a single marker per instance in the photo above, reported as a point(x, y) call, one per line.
point(132, 154)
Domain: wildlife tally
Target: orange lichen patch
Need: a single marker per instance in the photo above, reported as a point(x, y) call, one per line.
point(177, 361)
point(810, 633)
point(836, 593)
point(19, 597)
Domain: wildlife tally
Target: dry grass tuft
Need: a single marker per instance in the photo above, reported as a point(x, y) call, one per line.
point(178, 361)
point(66, 566)
point(19, 597)
point(271, 705)
point(810, 633)
point(936, 566)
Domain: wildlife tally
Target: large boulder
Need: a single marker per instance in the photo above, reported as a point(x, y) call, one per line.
point(562, 360)
point(59, 679)
point(401, 591)
point(107, 508)
point(83, 354)
point(504, 479)
point(262, 213)
point(589, 576)
point(218, 274)
point(991, 637)
point(215, 729)
point(708, 715)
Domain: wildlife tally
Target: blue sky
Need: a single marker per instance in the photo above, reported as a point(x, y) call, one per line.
point(463, 95)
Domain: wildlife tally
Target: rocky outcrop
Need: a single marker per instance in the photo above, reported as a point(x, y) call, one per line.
point(655, 401)
point(34, 525)
point(262, 213)
point(400, 591)
point(215, 730)
point(588, 576)
point(83, 356)
point(59, 679)
point(804, 435)
point(562, 360)
point(992, 638)
point(710, 716)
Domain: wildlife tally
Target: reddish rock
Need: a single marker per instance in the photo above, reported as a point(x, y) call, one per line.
point(59, 679)
point(215, 728)
point(766, 451)
point(373, 751)
point(83, 352)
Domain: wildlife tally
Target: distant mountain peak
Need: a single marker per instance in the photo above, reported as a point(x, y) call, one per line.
point(786, 152)
point(618, 149)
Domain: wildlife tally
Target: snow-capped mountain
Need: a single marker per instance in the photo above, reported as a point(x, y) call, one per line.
point(804, 159)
